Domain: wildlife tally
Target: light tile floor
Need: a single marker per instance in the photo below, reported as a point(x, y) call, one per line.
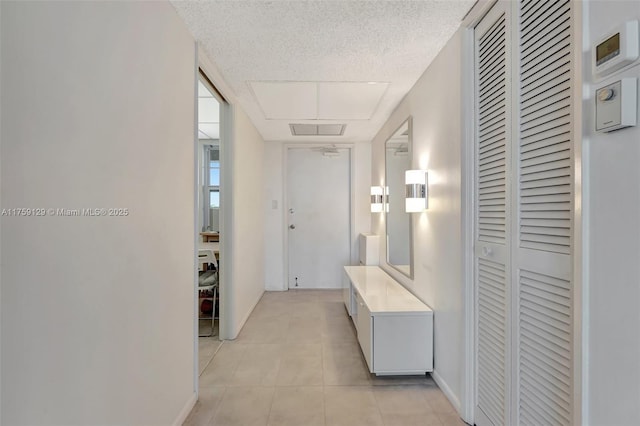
point(297, 362)
point(207, 347)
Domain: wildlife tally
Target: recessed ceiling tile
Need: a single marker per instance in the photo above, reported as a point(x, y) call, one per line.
point(349, 100)
point(330, 129)
point(301, 129)
point(208, 110)
point(286, 100)
point(212, 130)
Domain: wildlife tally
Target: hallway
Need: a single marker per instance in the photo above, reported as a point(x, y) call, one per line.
point(297, 362)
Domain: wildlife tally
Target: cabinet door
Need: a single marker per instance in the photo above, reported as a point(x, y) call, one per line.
point(365, 330)
point(403, 344)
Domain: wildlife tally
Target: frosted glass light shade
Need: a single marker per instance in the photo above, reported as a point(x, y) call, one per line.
point(416, 197)
point(376, 199)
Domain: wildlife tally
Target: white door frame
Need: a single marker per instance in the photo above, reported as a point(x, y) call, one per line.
point(285, 210)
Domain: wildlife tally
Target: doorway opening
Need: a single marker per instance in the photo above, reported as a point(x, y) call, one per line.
point(210, 262)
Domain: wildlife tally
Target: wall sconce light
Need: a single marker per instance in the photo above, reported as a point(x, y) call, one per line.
point(386, 199)
point(376, 199)
point(416, 195)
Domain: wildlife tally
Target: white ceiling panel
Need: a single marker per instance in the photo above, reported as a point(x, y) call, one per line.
point(349, 101)
point(212, 130)
point(208, 110)
point(286, 100)
point(320, 41)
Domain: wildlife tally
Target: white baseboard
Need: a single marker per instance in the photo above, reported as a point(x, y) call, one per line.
point(184, 413)
point(444, 387)
point(272, 287)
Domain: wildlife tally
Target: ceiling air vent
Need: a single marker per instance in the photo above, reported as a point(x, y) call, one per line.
point(317, 129)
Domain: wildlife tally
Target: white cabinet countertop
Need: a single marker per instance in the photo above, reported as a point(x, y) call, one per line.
point(382, 294)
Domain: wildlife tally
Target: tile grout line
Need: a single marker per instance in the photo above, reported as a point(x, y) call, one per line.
point(211, 421)
point(212, 357)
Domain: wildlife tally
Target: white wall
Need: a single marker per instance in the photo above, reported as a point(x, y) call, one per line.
point(97, 312)
point(435, 104)
point(275, 280)
point(273, 186)
point(612, 175)
point(247, 250)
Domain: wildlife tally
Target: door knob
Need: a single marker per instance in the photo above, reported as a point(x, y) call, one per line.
point(292, 227)
point(486, 251)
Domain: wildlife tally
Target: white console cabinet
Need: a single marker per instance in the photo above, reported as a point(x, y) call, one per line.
point(395, 329)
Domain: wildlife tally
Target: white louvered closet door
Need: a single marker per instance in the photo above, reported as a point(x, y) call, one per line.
point(523, 214)
point(492, 215)
point(543, 260)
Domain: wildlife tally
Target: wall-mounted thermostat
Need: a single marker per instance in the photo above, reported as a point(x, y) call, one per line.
point(616, 105)
point(616, 49)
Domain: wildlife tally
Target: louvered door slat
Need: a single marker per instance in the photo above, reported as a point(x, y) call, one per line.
point(494, 82)
point(492, 146)
point(491, 126)
point(551, 181)
point(551, 223)
point(545, 100)
point(538, 150)
point(536, 24)
point(539, 98)
point(547, 97)
point(559, 164)
point(491, 339)
point(542, 74)
point(490, 102)
point(498, 111)
point(545, 408)
point(553, 31)
point(538, 178)
point(544, 360)
point(495, 72)
point(491, 112)
point(537, 143)
point(546, 190)
point(542, 380)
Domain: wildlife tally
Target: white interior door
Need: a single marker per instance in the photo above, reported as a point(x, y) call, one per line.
point(318, 216)
point(492, 213)
point(543, 258)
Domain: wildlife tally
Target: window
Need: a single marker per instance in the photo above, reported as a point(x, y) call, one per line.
point(214, 177)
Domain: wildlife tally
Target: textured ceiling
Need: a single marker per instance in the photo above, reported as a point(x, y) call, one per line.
point(320, 41)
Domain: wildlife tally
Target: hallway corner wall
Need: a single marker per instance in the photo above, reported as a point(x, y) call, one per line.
point(97, 311)
point(248, 234)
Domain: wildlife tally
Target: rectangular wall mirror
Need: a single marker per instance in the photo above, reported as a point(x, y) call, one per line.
point(398, 222)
